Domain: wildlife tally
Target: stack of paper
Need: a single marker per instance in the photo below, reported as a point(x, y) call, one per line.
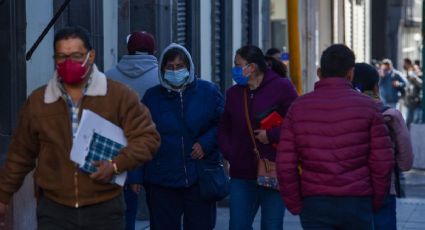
point(97, 139)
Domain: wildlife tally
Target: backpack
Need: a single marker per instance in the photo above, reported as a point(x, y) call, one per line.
point(402, 91)
point(396, 169)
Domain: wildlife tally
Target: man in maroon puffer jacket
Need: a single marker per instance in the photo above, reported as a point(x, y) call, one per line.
point(335, 157)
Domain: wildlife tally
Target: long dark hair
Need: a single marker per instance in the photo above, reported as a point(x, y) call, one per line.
point(253, 54)
point(277, 66)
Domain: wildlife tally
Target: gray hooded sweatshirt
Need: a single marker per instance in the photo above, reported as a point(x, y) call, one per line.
point(139, 72)
point(191, 67)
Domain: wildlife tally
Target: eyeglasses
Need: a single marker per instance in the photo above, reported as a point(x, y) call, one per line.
point(76, 56)
point(242, 66)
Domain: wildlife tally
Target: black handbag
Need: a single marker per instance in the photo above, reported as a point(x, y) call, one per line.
point(214, 184)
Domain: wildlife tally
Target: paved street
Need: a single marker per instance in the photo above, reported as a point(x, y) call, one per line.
point(410, 210)
point(410, 216)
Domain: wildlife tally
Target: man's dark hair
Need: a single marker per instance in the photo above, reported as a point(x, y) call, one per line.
point(336, 61)
point(272, 51)
point(172, 54)
point(408, 61)
point(73, 32)
point(417, 62)
point(366, 77)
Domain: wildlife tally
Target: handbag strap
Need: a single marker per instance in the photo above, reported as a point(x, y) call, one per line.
point(251, 132)
point(248, 124)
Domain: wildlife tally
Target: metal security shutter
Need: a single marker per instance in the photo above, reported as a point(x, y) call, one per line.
point(217, 34)
point(181, 27)
point(246, 22)
point(12, 58)
point(186, 28)
point(221, 47)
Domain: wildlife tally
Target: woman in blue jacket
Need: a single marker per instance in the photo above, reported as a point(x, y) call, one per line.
point(186, 111)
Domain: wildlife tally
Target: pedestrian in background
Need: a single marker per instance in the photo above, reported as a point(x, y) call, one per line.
point(418, 68)
point(266, 92)
point(70, 198)
point(139, 71)
point(274, 53)
point(335, 157)
point(391, 85)
point(186, 111)
point(366, 80)
point(413, 97)
point(277, 66)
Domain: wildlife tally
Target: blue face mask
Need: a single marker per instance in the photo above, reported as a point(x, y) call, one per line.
point(238, 77)
point(176, 78)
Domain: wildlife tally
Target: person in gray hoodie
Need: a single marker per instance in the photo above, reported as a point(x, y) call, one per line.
point(139, 71)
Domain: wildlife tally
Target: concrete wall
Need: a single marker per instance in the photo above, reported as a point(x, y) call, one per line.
point(279, 13)
point(41, 65)
point(110, 34)
point(325, 25)
point(237, 25)
point(39, 71)
point(308, 24)
point(206, 36)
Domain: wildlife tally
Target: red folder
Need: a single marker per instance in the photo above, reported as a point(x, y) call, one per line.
point(270, 121)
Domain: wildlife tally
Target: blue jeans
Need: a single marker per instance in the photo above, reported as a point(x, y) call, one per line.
point(131, 203)
point(245, 199)
point(385, 218)
point(341, 213)
point(414, 115)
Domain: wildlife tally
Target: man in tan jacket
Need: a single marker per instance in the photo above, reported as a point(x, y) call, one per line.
point(71, 198)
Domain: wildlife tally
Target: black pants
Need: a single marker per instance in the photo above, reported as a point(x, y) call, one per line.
point(342, 213)
point(168, 205)
point(102, 216)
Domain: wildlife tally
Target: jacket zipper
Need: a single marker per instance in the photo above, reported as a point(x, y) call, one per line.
point(76, 186)
point(184, 160)
point(76, 192)
point(76, 174)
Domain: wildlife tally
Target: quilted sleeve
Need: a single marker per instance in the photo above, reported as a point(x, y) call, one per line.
point(287, 159)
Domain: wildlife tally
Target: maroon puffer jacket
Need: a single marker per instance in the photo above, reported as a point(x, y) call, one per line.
point(338, 138)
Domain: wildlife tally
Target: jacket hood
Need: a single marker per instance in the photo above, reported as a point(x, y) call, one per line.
point(269, 76)
point(135, 66)
point(191, 71)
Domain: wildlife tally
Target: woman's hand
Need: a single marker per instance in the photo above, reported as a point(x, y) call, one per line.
point(197, 151)
point(261, 135)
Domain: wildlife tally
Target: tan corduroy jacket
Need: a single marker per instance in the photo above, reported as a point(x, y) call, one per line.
point(43, 140)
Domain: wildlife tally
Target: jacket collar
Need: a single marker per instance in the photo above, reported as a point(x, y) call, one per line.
point(186, 88)
point(333, 82)
point(97, 87)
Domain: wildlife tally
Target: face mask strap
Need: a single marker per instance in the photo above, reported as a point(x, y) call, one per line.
point(86, 60)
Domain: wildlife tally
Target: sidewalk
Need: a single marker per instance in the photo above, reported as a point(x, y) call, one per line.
point(410, 216)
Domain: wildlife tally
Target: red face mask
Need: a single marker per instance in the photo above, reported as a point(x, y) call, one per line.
point(72, 72)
